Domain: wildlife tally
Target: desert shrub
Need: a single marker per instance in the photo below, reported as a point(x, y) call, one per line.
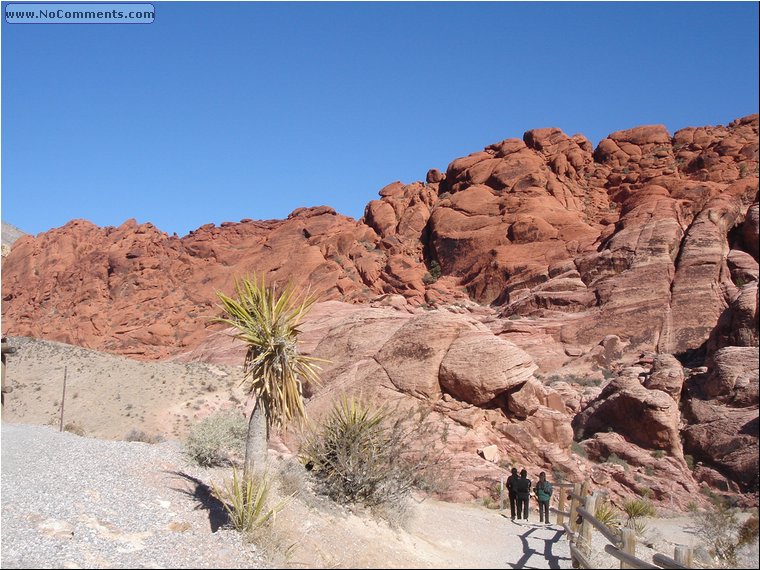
point(719, 501)
point(617, 460)
point(637, 525)
point(658, 453)
point(689, 459)
point(246, 500)
point(578, 449)
point(372, 456)
point(139, 435)
point(585, 380)
point(493, 499)
point(748, 533)
point(433, 274)
point(219, 439)
point(292, 477)
point(722, 534)
point(75, 428)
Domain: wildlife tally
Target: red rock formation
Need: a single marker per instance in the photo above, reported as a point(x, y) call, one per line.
point(647, 244)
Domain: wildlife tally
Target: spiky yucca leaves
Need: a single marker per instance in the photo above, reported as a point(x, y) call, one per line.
point(372, 455)
point(246, 500)
point(605, 513)
point(267, 322)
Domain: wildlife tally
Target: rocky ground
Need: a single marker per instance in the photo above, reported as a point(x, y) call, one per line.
point(79, 502)
point(114, 503)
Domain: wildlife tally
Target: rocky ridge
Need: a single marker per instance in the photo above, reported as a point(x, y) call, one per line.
point(561, 266)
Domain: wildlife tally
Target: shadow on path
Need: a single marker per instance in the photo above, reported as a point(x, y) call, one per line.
point(547, 554)
point(203, 495)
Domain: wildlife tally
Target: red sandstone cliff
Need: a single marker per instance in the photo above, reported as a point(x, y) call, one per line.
point(644, 247)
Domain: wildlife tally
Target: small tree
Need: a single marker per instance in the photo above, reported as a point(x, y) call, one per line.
point(267, 321)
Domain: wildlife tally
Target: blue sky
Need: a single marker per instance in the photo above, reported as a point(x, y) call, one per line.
point(223, 111)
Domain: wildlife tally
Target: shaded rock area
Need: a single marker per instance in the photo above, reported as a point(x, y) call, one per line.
point(536, 296)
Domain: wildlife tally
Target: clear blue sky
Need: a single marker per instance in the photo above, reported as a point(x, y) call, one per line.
point(223, 111)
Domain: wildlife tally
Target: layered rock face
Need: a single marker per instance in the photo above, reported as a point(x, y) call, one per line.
point(542, 254)
point(628, 236)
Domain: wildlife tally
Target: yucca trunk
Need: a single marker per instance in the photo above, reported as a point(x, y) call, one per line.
point(256, 441)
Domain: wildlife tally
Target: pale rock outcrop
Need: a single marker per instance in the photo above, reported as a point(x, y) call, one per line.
point(501, 366)
point(648, 418)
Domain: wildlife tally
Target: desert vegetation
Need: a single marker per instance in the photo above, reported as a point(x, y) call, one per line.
point(372, 456)
point(217, 440)
point(266, 320)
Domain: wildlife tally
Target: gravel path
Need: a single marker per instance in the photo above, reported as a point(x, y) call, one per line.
point(78, 502)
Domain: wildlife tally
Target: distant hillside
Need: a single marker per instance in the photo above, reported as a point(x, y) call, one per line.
point(9, 235)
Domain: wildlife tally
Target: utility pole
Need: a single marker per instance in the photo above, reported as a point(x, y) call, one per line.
point(63, 397)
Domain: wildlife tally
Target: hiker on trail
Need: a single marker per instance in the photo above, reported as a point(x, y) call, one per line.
point(523, 495)
point(512, 489)
point(543, 496)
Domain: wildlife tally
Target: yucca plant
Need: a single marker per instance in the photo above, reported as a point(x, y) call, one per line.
point(636, 509)
point(245, 500)
point(266, 320)
point(372, 455)
point(606, 513)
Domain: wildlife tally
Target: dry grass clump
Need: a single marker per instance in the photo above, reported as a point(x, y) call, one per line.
point(139, 435)
point(75, 428)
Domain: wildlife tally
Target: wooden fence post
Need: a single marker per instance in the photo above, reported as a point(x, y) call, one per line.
point(585, 542)
point(628, 538)
point(561, 518)
point(574, 508)
point(684, 556)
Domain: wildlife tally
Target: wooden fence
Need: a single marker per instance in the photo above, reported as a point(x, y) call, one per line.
point(622, 545)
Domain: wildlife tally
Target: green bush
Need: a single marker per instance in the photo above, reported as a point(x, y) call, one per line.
point(219, 439)
point(433, 274)
point(372, 456)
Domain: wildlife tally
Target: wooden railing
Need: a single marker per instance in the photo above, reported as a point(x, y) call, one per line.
point(622, 545)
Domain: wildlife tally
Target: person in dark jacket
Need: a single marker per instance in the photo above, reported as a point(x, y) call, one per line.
point(523, 495)
point(543, 496)
point(512, 490)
